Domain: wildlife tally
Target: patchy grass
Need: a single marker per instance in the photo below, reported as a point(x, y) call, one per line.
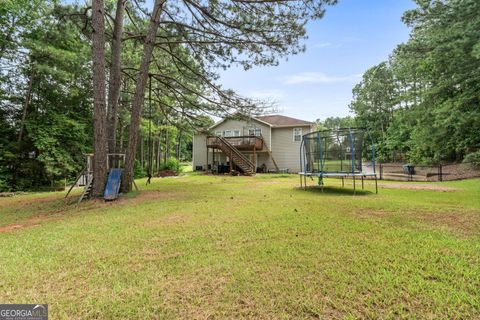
point(247, 247)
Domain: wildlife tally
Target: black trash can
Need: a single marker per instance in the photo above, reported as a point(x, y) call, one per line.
point(409, 169)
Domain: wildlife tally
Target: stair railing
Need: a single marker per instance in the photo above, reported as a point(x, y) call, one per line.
point(237, 153)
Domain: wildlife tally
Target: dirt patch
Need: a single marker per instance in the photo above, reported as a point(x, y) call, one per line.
point(465, 223)
point(11, 227)
point(17, 201)
point(370, 213)
point(30, 223)
point(411, 186)
point(166, 173)
point(52, 210)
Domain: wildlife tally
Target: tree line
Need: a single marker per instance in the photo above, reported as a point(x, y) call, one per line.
point(121, 76)
point(423, 104)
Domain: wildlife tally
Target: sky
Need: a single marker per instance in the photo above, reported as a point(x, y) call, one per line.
point(353, 36)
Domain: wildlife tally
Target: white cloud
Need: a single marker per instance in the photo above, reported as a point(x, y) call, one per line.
point(317, 77)
point(266, 94)
point(323, 45)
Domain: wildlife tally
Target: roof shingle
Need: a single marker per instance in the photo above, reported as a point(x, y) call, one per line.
point(279, 120)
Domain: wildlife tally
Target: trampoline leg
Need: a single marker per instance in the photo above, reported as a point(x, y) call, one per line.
point(362, 183)
point(343, 182)
point(376, 186)
point(305, 182)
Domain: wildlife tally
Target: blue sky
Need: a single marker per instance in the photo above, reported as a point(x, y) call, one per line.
point(353, 36)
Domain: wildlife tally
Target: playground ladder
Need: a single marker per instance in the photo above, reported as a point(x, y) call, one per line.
point(87, 192)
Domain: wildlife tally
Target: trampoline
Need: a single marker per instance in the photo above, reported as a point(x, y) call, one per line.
point(336, 153)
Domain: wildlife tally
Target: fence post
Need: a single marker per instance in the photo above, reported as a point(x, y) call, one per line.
point(440, 172)
point(381, 171)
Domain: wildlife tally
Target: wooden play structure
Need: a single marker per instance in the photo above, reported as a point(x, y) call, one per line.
point(115, 165)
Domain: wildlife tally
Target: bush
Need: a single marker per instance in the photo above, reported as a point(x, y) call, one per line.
point(138, 171)
point(4, 186)
point(473, 159)
point(171, 164)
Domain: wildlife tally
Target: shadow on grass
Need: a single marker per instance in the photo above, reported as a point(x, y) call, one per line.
point(336, 191)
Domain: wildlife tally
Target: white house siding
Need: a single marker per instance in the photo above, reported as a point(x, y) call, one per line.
point(280, 140)
point(243, 126)
point(199, 151)
point(286, 151)
point(200, 148)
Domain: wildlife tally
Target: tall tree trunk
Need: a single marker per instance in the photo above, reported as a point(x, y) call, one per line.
point(159, 149)
point(99, 118)
point(167, 147)
point(179, 145)
point(139, 95)
point(121, 138)
point(121, 106)
point(115, 77)
point(142, 161)
point(26, 103)
point(151, 157)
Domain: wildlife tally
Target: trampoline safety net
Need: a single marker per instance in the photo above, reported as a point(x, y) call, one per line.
point(335, 153)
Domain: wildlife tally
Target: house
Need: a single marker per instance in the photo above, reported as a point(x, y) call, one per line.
point(259, 144)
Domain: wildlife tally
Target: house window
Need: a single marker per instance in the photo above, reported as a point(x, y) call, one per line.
point(218, 133)
point(236, 133)
point(227, 133)
point(297, 134)
point(255, 132)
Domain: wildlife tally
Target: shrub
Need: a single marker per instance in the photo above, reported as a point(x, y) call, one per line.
point(171, 164)
point(138, 171)
point(4, 186)
point(473, 159)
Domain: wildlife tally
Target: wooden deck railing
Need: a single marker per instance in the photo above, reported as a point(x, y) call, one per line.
point(241, 143)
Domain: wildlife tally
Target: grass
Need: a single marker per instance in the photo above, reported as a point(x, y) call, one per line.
point(247, 247)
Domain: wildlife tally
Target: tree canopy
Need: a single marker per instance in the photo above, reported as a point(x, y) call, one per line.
point(423, 104)
point(158, 89)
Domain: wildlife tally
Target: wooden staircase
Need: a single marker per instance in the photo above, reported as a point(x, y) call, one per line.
point(247, 167)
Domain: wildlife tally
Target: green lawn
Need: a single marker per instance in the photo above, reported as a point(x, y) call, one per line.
point(247, 247)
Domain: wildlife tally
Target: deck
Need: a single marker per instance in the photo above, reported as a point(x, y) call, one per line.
point(243, 143)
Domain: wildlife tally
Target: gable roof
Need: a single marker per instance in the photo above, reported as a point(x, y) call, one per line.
point(273, 121)
point(277, 120)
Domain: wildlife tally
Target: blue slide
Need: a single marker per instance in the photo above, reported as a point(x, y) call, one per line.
point(113, 184)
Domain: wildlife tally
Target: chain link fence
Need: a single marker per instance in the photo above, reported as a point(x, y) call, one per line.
point(413, 172)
